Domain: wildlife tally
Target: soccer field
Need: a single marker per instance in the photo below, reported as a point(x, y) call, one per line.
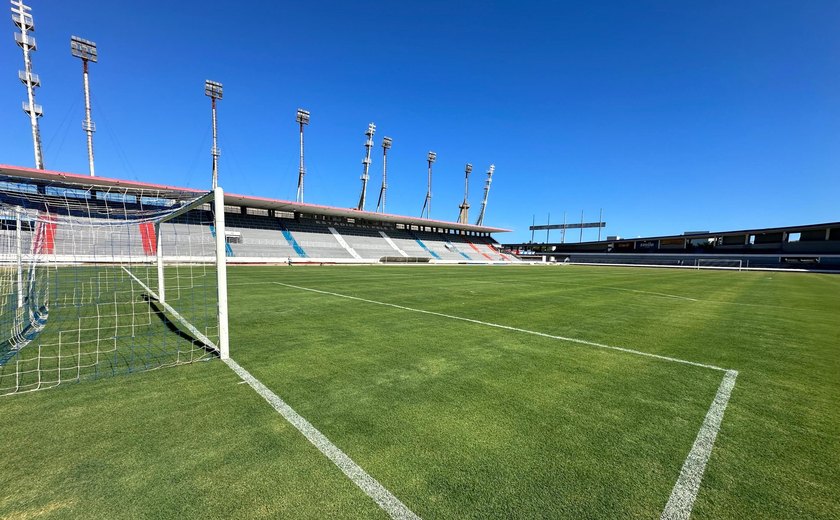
point(462, 392)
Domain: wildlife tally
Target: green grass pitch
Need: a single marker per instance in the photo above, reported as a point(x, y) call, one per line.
point(458, 419)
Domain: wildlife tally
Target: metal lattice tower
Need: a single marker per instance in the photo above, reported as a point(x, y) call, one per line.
point(213, 90)
point(303, 120)
point(23, 20)
point(366, 164)
point(86, 51)
point(427, 204)
point(463, 216)
point(380, 204)
point(480, 221)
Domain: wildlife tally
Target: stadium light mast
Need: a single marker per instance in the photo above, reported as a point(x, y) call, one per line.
point(86, 51)
point(303, 120)
point(213, 90)
point(463, 216)
point(480, 221)
point(23, 20)
point(427, 204)
point(380, 204)
point(366, 164)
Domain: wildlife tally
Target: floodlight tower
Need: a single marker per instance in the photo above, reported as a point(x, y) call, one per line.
point(213, 90)
point(86, 51)
point(303, 120)
point(480, 221)
point(463, 216)
point(427, 204)
point(380, 204)
point(366, 163)
point(23, 20)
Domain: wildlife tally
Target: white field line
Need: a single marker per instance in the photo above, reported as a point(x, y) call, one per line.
point(514, 282)
point(663, 295)
point(387, 501)
point(506, 327)
point(517, 282)
point(688, 484)
point(682, 498)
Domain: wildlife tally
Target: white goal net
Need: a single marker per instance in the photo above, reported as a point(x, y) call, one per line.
point(97, 281)
point(718, 263)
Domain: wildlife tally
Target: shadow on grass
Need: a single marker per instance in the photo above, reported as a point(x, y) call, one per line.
point(169, 324)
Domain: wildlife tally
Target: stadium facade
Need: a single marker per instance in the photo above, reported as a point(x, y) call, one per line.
point(809, 246)
point(264, 230)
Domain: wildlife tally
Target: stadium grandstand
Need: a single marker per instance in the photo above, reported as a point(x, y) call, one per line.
point(809, 247)
point(260, 230)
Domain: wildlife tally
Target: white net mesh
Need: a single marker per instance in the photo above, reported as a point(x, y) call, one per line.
point(79, 282)
point(719, 262)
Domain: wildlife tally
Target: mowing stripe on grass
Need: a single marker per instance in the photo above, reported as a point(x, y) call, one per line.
point(387, 501)
point(507, 327)
point(688, 484)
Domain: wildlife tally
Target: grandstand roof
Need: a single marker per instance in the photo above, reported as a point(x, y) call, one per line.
point(73, 179)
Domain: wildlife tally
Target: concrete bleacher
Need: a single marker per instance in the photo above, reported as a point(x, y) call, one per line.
point(437, 243)
point(406, 242)
point(110, 220)
point(317, 240)
point(263, 238)
point(368, 243)
point(257, 237)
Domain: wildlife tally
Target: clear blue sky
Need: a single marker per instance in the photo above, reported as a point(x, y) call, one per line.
point(671, 116)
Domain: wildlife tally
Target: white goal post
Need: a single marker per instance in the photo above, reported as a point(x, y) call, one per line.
point(104, 280)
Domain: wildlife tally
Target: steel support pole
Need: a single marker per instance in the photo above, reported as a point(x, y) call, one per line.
point(215, 151)
point(301, 170)
point(366, 167)
point(30, 86)
point(533, 223)
point(88, 124)
point(600, 221)
point(581, 226)
point(547, 231)
point(384, 178)
point(563, 231)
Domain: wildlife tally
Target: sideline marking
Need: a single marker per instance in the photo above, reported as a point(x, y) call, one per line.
point(387, 501)
point(663, 295)
point(684, 493)
point(688, 484)
point(507, 327)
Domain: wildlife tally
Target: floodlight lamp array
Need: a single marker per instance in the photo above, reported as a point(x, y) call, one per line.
point(386, 142)
point(432, 157)
point(84, 49)
point(371, 129)
point(21, 16)
point(302, 116)
point(213, 89)
point(469, 168)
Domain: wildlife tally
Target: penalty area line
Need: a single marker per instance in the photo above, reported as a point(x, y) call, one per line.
point(507, 327)
point(685, 490)
point(383, 498)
